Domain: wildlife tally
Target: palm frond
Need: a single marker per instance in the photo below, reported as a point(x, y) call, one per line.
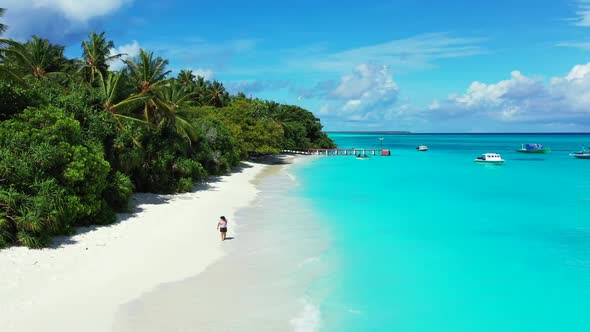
point(3, 27)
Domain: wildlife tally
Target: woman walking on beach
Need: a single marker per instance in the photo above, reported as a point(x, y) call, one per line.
point(222, 227)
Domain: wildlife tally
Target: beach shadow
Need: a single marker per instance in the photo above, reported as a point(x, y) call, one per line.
point(136, 206)
point(139, 200)
point(241, 167)
point(275, 159)
point(63, 240)
point(229, 238)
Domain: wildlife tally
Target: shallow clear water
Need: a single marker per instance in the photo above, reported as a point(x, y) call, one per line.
point(431, 241)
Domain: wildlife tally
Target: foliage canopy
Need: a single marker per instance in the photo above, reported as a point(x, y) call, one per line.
point(77, 139)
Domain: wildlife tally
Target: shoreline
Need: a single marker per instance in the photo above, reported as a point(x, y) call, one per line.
point(261, 284)
point(87, 277)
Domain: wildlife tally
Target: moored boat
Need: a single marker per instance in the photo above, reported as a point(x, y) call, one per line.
point(422, 148)
point(533, 148)
point(583, 154)
point(492, 158)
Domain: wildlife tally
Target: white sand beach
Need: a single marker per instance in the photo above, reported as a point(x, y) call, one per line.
point(260, 285)
point(79, 284)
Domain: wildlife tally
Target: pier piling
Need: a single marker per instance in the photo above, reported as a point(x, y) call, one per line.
point(341, 152)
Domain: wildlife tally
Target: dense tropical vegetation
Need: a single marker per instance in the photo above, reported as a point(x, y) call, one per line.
point(77, 139)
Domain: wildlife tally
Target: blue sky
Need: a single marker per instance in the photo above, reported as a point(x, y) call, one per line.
point(423, 66)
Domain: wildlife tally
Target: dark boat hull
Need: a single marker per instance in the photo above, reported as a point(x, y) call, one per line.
point(533, 151)
point(582, 156)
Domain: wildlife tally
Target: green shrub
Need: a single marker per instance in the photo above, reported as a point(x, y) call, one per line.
point(185, 185)
point(52, 179)
point(118, 192)
point(218, 151)
point(14, 98)
point(6, 230)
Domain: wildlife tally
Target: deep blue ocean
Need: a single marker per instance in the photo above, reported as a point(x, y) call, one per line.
point(431, 241)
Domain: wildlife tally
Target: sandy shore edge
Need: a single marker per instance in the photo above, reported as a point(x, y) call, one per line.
point(260, 283)
point(80, 282)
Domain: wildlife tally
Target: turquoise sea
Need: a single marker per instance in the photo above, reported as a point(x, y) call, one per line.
point(431, 241)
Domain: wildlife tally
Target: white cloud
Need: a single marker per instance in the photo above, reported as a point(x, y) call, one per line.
point(325, 110)
point(253, 86)
point(561, 100)
point(583, 14)
point(574, 90)
point(78, 10)
point(579, 72)
point(581, 45)
point(413, 53)
point(128, 50)
point(518, 103)
point(434, 105)
point(367, 81)
point(131, 50)
point(361, 95)
point(352, 105)
point(583, 20)
point(492, 94)
point(204, 72)
point(54, 18)
point(217, 57)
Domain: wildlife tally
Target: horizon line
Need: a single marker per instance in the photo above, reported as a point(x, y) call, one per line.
point(402, 132)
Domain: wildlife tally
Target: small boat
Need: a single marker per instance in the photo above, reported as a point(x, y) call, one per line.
point(583, 154)
point(533, 148)
point(362, 156)
point(422, 148)
point(492, 158)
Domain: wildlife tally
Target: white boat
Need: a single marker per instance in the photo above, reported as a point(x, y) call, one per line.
point(492, 158)
point(422, 148)
point(584, 154)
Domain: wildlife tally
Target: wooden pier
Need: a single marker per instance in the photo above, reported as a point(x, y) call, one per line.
point(342, 152)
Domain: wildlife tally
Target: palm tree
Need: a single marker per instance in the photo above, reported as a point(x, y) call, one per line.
point(37, 58)
point(97, 55)
point(3, 27)
point(108, 87)
point(201, 88)
point(186, 77)
point(172, 101)
point(5, 72)
point(217, 96)
point(176, 93)
point(201, 83)
point(164, 100)
point(147, 71)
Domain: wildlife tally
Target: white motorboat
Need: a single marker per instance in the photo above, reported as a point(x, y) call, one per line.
point(492, 158)
point(584, 154)
point(422, 148)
